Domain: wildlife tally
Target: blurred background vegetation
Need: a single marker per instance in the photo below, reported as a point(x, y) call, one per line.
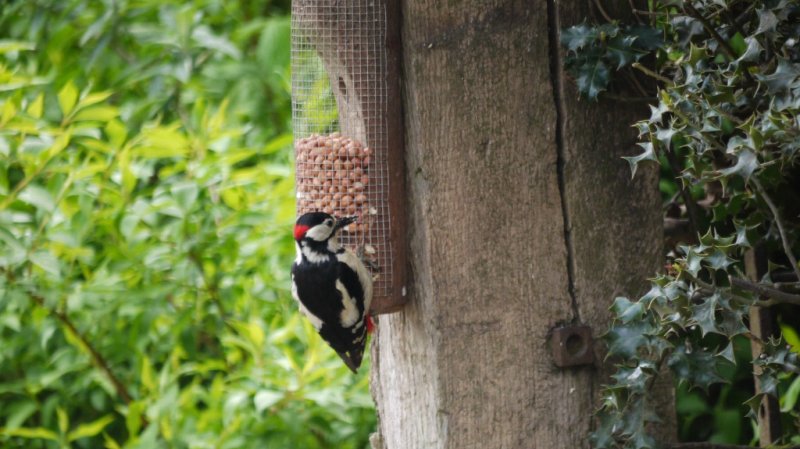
point(146, 193)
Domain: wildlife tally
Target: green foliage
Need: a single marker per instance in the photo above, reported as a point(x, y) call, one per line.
point(594, 50)
point(725, 125)
point(146, 190)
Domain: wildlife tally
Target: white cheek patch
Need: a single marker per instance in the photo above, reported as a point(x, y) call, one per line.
point(333, 244)
point(319, 232)
point(349, 315)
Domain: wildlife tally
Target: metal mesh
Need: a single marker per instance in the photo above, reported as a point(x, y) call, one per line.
point(339, 113)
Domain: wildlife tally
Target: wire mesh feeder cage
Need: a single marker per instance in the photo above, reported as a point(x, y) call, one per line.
point(348, 131)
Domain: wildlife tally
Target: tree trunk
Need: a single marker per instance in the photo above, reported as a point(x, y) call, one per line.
point(522, 217)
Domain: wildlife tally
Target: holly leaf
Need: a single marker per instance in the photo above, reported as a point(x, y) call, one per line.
point(696, 366)
point(718, 260)
point(754, 403)
point(625, 310)
point(783, 78)
point(704, 314)
point(727, 353)
point(649, 154)
point(752, 51)
point(732, 322)
point(767, 21)
point(632, 378)
point(647, 38)
point(578, 36)
point(746, 164)
point(625, 340)
point(593, 77)
point(621, 51)
point(657, 113)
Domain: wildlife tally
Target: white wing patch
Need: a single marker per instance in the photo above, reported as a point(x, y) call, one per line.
point(351, 260)
point(349, 315)
point(315, 321)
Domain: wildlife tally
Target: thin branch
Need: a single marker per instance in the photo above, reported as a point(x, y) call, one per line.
point(212, 289)
point(625, 99)
point(776, 296)
point(778, 222)
point(701, 283)
point(638, 85)
point(97, 358)
point(603, 11)
point(635, 12)
point(678, 230)
point(744, 16)
point(631, 76)
point(726, 48)
point(645, 13)
point(688, 201)
point(652, 74)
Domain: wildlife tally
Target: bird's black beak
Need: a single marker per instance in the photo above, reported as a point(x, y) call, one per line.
point(342, 222)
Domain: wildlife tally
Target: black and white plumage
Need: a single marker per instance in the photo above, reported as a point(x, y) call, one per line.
point(331, 285)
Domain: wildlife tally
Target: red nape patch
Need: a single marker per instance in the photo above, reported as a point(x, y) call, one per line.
point(370, 325)
point(300, 231)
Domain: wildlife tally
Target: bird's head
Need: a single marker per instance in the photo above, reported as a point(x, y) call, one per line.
point(319, 226)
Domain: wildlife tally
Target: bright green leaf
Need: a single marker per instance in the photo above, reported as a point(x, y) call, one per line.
point(67, 97)
point(31, 433)
point(90, 429)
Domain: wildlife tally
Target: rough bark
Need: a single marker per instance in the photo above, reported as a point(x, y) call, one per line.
point(522, 217)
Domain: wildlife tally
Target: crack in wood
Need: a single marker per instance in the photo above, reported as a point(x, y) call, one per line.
point(557, 86)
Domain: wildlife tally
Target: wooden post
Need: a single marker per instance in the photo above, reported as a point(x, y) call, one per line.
point(762, 326)
point(522, 216)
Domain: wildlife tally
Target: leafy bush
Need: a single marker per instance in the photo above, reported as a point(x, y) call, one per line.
point(146, 193)
point(725, 124)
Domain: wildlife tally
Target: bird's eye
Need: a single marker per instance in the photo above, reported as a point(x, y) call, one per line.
point(329, 222)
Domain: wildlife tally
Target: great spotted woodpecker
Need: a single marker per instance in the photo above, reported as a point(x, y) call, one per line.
point(331, 285)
